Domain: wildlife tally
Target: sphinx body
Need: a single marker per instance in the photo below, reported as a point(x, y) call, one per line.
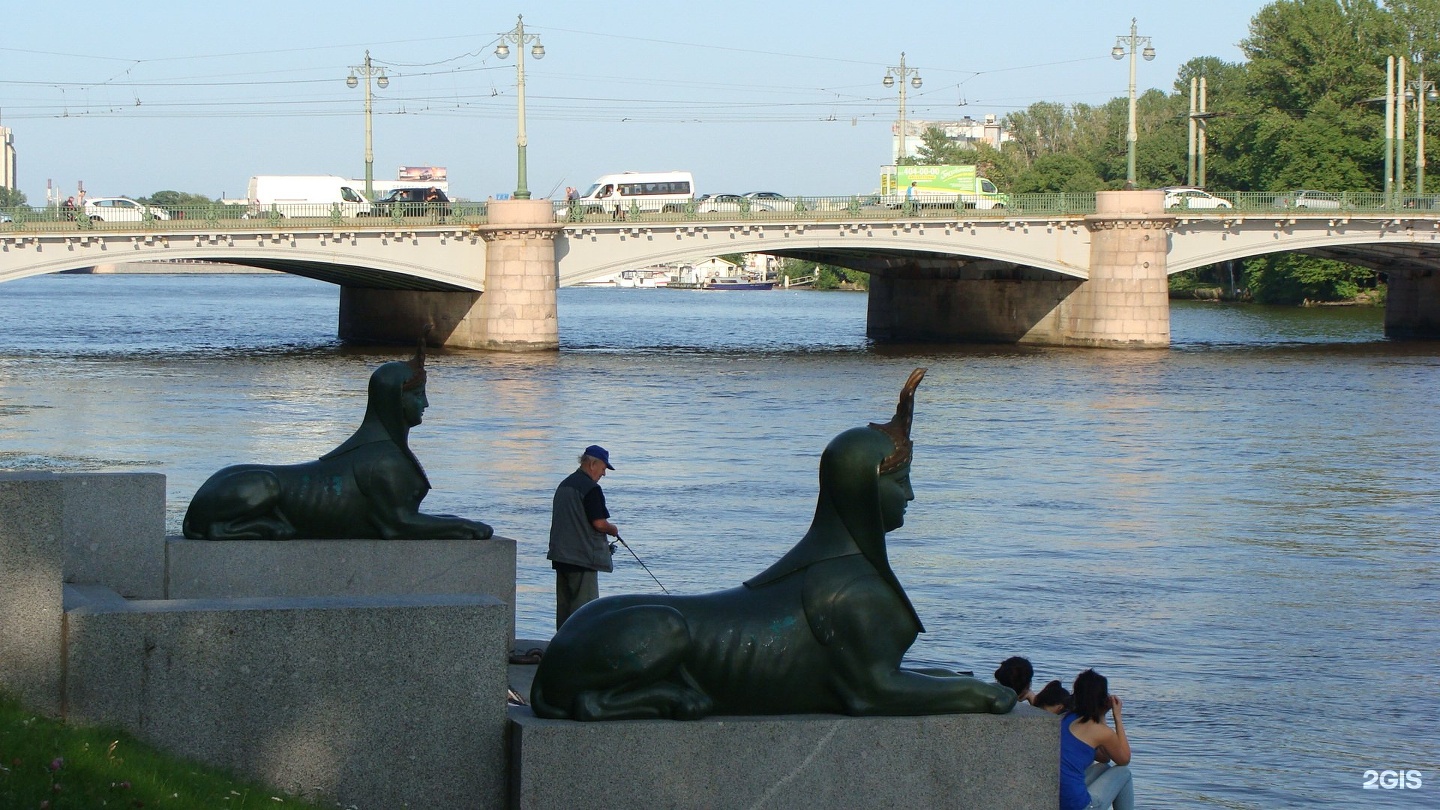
point(370, 487)
point(823, 630)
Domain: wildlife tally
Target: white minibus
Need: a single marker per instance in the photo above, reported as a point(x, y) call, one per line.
point(616, 194)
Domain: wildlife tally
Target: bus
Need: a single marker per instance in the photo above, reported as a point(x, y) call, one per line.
point(617, 194)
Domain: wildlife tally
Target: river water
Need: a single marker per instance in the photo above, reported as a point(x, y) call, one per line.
point(1240, 532)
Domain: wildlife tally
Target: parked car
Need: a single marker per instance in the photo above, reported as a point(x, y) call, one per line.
point(121, 209)
point(1307, 198)
point(768, 196)
point(730, 204)
point(412, 202)
point(1185, 197)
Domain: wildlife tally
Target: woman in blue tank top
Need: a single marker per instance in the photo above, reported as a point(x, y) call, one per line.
point(1088, 747)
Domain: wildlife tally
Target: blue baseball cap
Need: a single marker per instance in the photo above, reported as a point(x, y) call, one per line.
point(596, 451)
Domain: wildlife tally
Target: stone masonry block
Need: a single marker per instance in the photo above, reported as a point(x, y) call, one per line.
point(979, 762)
point(31, 595)
point(384, 702)
point(204, 569)
point(114, 525)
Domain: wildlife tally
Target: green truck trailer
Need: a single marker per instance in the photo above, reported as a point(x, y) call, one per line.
point(939, 187)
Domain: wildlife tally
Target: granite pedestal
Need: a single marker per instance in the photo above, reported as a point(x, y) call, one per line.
point(972, 761)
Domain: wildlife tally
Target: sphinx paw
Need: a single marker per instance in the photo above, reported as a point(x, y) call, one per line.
point(483, 531)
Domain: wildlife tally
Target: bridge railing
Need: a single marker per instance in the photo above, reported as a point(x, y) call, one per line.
point(1320, 202)
point(237, 217)
point(861, 207)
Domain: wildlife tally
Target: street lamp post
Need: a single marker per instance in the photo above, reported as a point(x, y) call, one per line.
point(891, 75)
point(520, 39)
point(366, 71)
point(1123, 45)
point(1421, 91)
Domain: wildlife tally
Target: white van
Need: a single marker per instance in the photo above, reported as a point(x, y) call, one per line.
point(304, 195)
point(647, 191)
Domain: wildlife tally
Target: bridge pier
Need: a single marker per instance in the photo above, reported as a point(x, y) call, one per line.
point(1412, 305)
point(1126, 301)
point(516, 313)
point(1123, 304)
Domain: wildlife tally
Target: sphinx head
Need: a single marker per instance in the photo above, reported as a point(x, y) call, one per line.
point(865, 471)
point(397, 394)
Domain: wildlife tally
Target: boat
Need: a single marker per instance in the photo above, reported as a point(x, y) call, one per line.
point(737, 284)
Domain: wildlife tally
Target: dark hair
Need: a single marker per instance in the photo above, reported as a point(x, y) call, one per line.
point(1092, 696)
point(1015, 672)
point(1054, 695)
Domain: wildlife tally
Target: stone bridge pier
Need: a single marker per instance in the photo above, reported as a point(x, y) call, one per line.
point(1412, 304)
point(1124, 303)
point(516, 312)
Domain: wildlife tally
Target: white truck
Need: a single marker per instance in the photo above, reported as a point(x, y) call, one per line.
point(304, 195)
point(939, 187)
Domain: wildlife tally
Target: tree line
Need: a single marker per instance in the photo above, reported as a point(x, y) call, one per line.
point(1304, 110)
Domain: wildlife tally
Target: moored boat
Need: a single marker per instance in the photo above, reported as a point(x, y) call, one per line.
point(737, 284)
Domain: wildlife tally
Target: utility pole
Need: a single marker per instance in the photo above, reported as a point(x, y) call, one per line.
point(1389, 127)
point(1190, 137)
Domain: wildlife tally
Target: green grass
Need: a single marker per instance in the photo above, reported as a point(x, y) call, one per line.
point(47, 764)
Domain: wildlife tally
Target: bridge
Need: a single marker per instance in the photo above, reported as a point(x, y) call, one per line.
point(1070, 269)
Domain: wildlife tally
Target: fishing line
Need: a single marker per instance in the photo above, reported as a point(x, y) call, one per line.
point(642, 562)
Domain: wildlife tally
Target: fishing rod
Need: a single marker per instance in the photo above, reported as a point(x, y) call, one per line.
point(642, 562)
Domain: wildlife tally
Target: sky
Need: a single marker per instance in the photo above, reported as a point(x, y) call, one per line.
point(134, 98)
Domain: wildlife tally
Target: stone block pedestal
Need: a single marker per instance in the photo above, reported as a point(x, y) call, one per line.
point(978, 762)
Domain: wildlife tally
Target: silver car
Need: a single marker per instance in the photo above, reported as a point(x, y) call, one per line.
point(1307, 198)
point(730, 204)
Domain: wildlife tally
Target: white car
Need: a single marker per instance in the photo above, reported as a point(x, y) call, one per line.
point(730, 204)
point(120, 209)
point(1180, 197)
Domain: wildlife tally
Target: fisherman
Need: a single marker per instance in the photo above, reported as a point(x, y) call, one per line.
point(579, 525)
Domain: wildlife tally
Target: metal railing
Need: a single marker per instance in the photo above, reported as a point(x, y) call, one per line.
point(239, 217)
point(858, 207)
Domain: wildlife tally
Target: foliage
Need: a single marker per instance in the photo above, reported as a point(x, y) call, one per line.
point(172, 200)
point(47, 764)
point(1292, 278)
point(827, 276)
point(11, 197)
point(1058, 172)
point(1299, 113)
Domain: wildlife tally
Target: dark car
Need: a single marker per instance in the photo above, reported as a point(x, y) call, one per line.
point(412, 202)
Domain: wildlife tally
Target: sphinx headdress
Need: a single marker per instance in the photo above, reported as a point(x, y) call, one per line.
point(898, 428)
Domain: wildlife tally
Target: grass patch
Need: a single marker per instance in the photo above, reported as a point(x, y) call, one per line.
point(47, 765)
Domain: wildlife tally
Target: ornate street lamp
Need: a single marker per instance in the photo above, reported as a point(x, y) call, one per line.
point(891, 75)
point(365, 72)
point(520, 39)
point(1123, 45)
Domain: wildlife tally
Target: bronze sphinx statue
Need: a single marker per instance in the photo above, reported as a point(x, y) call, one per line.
point(821, 631)
point(370, 487)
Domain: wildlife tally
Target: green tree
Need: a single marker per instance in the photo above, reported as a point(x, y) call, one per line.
point(11, 197)
point(1060, 172)
point(177, 199)
point(827, 276)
